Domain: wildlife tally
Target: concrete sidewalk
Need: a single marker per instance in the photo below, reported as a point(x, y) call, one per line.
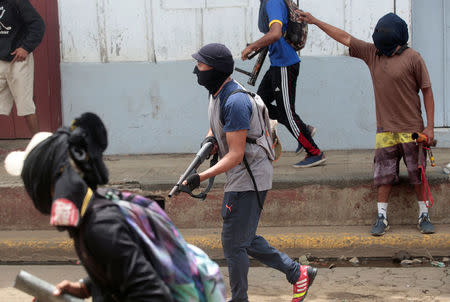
point(159, 172)
point(326, 211)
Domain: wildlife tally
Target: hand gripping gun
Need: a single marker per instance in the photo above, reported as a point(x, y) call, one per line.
point(199, 158)
point(258, 65)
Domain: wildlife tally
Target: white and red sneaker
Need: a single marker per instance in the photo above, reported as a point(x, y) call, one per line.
point(307, 275)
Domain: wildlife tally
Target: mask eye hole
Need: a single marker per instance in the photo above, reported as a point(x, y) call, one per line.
point(79, 154)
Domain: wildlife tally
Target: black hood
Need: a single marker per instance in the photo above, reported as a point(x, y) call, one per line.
point(67, 163)
point(390, 32)
point(87, 141)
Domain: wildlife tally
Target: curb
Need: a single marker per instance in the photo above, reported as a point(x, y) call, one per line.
point(327, 242)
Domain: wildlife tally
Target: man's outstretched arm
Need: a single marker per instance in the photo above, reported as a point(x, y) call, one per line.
point(337, 34)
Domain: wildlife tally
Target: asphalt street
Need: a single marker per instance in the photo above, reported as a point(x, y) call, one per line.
point(341, 284)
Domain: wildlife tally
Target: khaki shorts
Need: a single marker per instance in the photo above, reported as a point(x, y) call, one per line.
point(16, 85)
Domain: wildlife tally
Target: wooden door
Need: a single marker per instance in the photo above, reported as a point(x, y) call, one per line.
point(47, 83)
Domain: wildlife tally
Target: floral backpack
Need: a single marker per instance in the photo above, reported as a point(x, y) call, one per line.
point(188, 272)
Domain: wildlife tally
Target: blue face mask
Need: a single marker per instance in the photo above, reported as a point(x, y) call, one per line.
point(391, 31)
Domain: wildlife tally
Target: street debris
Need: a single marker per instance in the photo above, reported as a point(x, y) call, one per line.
point(406, 262)
point(429, 255)
point(400, 256)
point(303, 260)
point(437, 264)
point(332, 265)
point(354, 261)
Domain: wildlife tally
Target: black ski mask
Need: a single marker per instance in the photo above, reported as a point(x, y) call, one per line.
point(390, 32)
point(211, 79)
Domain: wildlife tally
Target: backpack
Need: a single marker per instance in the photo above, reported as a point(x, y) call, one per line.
point(188, 272)
point(269, 139)
point(297, 31)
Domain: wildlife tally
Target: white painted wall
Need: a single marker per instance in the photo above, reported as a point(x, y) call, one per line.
point(171, 30)
point(146, 106)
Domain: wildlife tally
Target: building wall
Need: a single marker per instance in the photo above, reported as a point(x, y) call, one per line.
point(171, 30)
point(130, 61)
point(432, 40)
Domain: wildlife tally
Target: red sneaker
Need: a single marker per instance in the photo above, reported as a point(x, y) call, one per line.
point(307, 275)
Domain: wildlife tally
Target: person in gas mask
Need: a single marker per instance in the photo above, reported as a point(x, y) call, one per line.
point(61, 172)
point(398, 74)
point(234, 122)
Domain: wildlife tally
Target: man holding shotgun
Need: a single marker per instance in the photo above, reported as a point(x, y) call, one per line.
point(280, 81)
point(234, 122)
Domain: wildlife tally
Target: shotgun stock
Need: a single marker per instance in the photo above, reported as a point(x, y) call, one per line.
point(258, 65)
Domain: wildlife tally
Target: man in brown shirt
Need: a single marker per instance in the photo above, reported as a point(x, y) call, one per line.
point(398, 74)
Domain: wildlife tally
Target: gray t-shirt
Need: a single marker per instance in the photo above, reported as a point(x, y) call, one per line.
point(238, 179)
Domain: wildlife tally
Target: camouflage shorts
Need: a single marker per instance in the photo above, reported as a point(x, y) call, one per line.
point(387, 160)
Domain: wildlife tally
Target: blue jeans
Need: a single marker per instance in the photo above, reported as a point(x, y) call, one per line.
point(241, 213)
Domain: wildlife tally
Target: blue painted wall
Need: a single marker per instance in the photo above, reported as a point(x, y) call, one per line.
point(159, 108)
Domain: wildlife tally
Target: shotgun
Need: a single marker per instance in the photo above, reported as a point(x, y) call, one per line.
point(199, 158)
point(258, 65)
point(40, 289)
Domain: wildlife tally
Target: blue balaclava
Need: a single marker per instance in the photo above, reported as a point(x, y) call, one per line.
point(391, 31)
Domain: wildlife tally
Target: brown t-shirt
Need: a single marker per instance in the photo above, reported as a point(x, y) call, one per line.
point(396, 82)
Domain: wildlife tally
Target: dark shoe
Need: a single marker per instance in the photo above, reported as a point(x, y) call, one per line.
point(306, 279)
point(424, 225)
point(300, 148)
point(381, 226)
point(311, 161)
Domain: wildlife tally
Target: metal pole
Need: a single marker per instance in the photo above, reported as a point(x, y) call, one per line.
point(40, 289)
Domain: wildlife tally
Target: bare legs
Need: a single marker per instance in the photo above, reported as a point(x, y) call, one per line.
point(32, 123)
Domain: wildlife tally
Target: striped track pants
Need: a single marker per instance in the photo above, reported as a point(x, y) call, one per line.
point(279, 85)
